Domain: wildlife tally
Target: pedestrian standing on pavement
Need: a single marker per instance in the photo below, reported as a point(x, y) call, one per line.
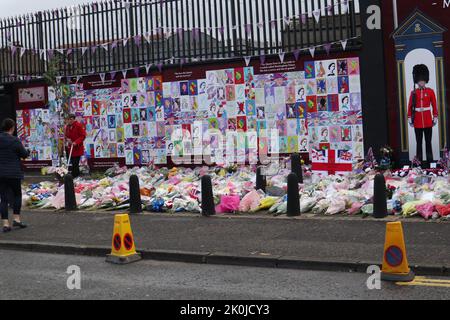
point(75, 136)
point(11, 174)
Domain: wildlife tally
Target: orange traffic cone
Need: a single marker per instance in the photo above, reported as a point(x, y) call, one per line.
point(395, 263)
point(123, 247)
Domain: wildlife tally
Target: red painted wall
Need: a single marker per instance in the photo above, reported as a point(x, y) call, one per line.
point(405, 8)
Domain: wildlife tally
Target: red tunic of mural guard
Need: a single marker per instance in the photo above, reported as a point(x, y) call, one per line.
point(426, 108)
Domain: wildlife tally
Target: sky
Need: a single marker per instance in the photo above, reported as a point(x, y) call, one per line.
point(15, 7)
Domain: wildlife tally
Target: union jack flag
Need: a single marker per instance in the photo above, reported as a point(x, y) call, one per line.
point(194, 193)
point(416, 163)
point(318, 155)
point(345, 155)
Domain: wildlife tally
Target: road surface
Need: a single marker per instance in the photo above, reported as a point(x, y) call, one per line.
point(28, 275)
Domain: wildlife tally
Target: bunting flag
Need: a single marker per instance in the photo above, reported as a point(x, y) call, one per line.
point(102, 77)
point(69, 52)
point(113, 75)
point(340, 7)
point(273, 24)
point(316, 15)
point(50, 54)
point(83, 50)
point(247, 60)
point(148, 37)
point(136, 71)
point(137, 40)
point(330, 10)
point(180, 32)
point(344, 6)
point(22, 52)
point(297, 54)
point(58, 80)
point(327, 48)
point(105, 46)
point(195, 34)
point(262, 59)
point(303, 18)
point(287, 21)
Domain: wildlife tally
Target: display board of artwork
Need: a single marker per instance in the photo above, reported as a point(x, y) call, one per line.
point(229, 115)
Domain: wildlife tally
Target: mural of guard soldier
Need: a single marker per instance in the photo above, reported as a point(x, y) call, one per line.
point(423, 111)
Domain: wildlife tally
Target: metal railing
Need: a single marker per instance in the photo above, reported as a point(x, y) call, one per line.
point(116, 35)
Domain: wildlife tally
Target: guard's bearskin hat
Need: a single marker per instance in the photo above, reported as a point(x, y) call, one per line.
point(421, 73)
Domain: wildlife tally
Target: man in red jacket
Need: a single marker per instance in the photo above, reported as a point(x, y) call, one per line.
point(422, 111)
point(75, 136)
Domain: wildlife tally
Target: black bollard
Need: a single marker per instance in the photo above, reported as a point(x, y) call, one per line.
point(261, 182)
point(380, 197)
point(296, 166)
point(293, 203)
point(135, 195)
point(69, 193)
point(208, 207)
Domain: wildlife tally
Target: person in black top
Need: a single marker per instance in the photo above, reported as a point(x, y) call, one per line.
point(11, 175)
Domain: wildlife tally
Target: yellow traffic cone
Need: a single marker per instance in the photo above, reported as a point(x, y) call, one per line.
point(395, 263)
point(123, 247)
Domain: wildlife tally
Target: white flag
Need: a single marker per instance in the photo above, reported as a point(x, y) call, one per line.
point(316, 14)
point(102, 77)
point(344, 44)
point(83, 50)
point(147, 68)
point(282, 55)
point(247, 60)
point(148, 37)
point(22, 52)
point(312, 51)
point(344, 7)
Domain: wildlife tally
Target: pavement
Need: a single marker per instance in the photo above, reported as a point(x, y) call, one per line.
point(337, 244)
point(27, 275)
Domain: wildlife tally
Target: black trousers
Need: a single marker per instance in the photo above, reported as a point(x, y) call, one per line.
point(75, 166)
point(14, 185)
point(428, 133)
